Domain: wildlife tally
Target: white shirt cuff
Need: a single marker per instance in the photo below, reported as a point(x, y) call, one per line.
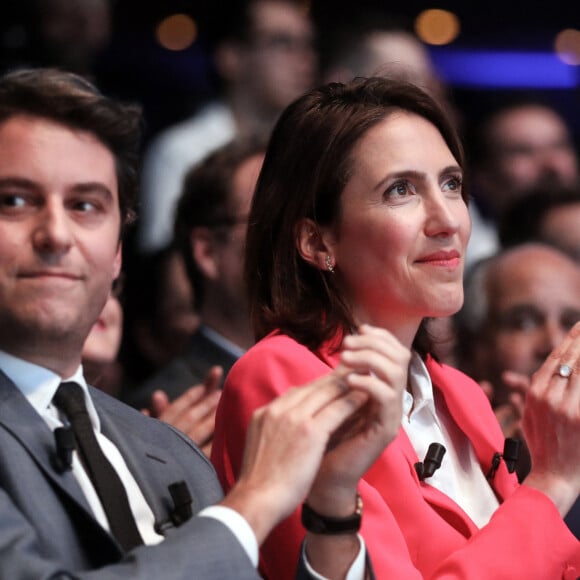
point(356, 571)
point(238, 526)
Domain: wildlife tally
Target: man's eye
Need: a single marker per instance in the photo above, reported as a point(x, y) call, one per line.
point(84, 206)
point(522, 323)
point(12, 200)
point(569, 319)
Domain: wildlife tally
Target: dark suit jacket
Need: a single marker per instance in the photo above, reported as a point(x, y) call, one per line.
point(47, 529)
point(183, 372)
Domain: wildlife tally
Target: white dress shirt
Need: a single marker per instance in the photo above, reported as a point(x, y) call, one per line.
point(426, 420)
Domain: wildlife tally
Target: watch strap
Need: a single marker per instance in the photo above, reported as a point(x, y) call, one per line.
point(329, 525)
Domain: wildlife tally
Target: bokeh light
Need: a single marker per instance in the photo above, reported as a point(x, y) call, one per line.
point(177, 32)
point(438, 27)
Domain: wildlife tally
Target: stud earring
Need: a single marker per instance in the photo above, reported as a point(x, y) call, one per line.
point(329, 264)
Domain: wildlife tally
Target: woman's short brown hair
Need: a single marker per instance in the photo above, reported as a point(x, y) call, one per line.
point(308, 163)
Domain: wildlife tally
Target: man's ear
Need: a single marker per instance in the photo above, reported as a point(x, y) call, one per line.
point(204, 251)
point(315, 244)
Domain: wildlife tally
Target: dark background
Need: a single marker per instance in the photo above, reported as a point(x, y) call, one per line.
point(170, 85)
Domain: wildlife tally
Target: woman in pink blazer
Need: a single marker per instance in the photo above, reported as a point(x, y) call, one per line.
point(359, 226)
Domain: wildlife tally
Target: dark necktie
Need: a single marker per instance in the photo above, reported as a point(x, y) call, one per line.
point(111, 491)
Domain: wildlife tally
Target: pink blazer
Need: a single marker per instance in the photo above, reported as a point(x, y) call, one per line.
point(411, 530)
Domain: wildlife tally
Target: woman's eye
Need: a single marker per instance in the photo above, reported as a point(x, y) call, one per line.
point(398, 189)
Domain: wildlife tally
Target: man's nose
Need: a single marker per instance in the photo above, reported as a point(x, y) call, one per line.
point(52, 233)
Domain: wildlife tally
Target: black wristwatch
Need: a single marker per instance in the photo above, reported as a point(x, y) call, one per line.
point(330, 526)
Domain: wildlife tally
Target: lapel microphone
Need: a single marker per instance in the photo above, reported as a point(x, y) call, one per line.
point(181, 501)
point(64, 439)
point(181, 507)
point(511, 455)
point(432, 461)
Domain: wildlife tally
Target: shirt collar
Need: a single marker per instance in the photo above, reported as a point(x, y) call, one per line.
point(221, 341)
point(39, 384)
point(421, 387)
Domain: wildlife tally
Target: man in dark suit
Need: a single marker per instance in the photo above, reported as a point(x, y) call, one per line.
point(210, 234)
point(67, 176)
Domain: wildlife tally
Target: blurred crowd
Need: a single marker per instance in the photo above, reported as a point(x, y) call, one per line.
point(178, 318)
point(180, 310)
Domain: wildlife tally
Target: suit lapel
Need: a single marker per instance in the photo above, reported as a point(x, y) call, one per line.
point(440, 502)
point(150, 464)
point(481, 428)
point(26, 425)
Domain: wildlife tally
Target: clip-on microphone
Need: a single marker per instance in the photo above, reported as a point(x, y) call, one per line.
point(65, 445)
point(511, 455)
point(182, 502)
point(432, 461)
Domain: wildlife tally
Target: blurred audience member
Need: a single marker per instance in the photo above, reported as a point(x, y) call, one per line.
point(192, 413)
point(518, 146)
point(73, 32)
point(265, 58)
point(210, 233)
point(99, 356)
point(376, 44)
point(550, 215)
point(159, 318)
point(68, 34)
point(519, 304)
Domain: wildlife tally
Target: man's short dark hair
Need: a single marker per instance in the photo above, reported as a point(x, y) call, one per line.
point(74, 102)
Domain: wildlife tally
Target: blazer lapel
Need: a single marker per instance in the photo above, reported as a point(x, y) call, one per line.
point(148, 462)
point(26, 425)
point(440, 502)
point(481, 428)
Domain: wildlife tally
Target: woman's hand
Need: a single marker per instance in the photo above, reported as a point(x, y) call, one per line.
point(375, 364)
point(328, 432)
point(551, 424)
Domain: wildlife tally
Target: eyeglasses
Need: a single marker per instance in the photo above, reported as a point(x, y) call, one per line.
point(282, 43)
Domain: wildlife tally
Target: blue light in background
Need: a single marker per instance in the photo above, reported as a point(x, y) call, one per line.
point(504, 69)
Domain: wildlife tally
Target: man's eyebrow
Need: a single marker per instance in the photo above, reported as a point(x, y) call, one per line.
point(22, 182)
point(83, 187)
point(92, 187)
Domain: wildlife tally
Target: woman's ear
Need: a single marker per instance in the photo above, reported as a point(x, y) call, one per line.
point(315, 244)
